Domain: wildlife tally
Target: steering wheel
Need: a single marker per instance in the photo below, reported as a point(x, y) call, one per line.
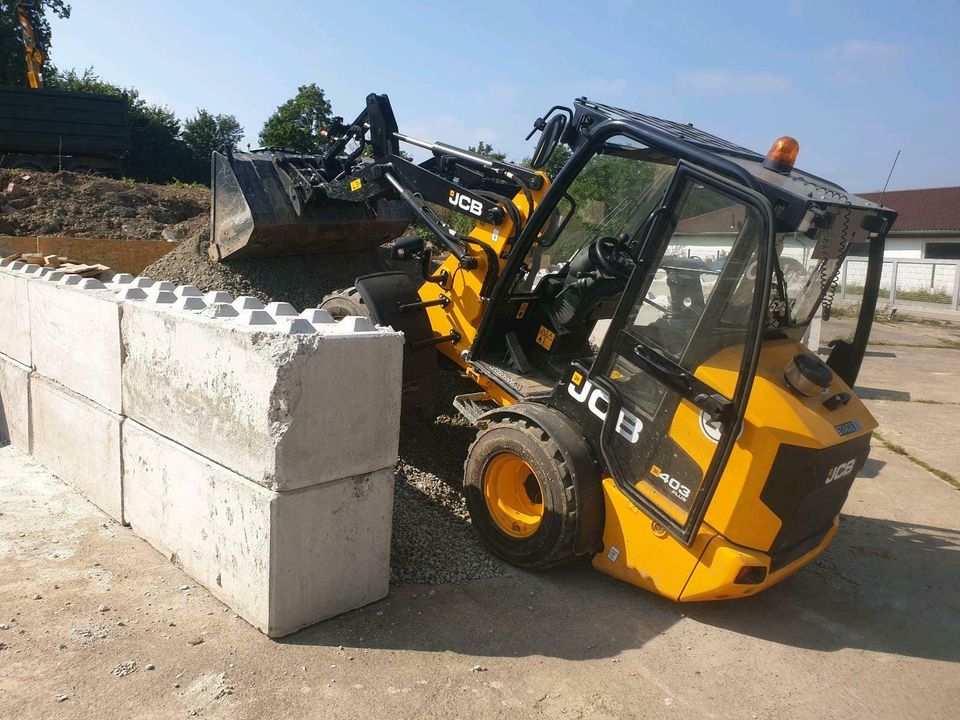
point(610, 255)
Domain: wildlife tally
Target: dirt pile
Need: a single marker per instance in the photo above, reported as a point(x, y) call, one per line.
point(39, 203)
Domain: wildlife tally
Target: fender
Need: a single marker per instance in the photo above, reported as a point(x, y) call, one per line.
point(578, 456)
point(383, 294)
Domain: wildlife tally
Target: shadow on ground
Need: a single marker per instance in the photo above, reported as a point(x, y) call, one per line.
point(883, 586)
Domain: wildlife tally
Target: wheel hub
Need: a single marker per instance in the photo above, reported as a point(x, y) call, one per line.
point(513, 495)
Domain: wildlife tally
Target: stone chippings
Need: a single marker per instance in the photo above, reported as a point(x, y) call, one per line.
point(433, 541)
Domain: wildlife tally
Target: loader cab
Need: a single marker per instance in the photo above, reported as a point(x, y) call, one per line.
point(642, 314)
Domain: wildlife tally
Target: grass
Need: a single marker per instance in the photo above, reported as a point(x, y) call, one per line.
point(900, 450)
point(932, 296)
point(181, 184)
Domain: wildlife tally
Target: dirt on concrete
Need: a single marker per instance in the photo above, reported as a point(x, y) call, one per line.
point(68, 204)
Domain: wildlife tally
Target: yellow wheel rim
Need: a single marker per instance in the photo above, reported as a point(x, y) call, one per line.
point(514, 495)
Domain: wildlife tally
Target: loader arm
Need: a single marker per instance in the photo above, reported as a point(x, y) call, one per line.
point(361, 192)
point(34, 55)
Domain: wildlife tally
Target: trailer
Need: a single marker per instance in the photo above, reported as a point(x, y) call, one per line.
point(60, 130)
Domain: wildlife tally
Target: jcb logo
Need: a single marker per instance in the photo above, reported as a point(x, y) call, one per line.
point(840, 471)
point(628, 424)
point(474, 207)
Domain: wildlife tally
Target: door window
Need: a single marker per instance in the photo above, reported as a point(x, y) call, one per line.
point(697, 302)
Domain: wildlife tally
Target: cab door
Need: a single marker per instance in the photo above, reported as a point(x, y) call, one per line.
point(678, 359)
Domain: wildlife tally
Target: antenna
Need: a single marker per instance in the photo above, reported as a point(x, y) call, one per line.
point(889, 174)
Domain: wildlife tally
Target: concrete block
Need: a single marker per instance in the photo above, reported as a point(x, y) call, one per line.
point(220, 310)
point(91, 284)
point(316, 316)
point(285, 411)
point(189, 302)
point(355, 324)
point(14, 403)
point(250, 318)
point(160, 297)
point(78, 441)
point(217, 297)
point(120, 279)
point(281, 309)
point(75, 340)
point(15, 316)
point(70, 280)
point(295, 326)
point(247, 302)
point(187, 291)
point(132, 293)
point(55, 275)
point(15, 265)
point(282, 561)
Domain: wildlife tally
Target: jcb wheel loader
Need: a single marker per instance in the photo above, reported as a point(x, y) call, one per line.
point(634, 329)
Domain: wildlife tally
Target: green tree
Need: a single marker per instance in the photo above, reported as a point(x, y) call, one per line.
point(299, 122)
point(205, 133)
point(13, 67)
point(157, 153)
point(486, 149)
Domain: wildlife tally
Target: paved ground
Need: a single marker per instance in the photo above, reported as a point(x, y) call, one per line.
point(871, 629)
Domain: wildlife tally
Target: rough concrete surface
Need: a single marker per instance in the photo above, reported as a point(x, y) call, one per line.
point(15, 317)
point(869, 629)
point(281, 560)
point(75, 340)
point(269, 406)
point(14, 403)
point(79, 441)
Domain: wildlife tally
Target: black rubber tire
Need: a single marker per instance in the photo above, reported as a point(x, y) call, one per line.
point(344, 303)
point(553, 541)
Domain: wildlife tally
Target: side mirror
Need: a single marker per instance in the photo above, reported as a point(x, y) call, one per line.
point(549, 139)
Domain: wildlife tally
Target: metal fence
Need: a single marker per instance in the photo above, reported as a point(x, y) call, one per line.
point(935, 282)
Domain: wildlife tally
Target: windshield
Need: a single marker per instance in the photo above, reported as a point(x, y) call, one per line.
point(809, 258)
point(613, 194)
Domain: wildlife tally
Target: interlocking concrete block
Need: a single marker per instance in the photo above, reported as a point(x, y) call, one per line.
point(220, 310)
point(285, 411)
point(160, 297)
point(75, 340)
point(187, 291)
point(189, 302)
point(78, 441)
point(282, 561)
point(132, 293)
point(14, 403)
point(316, 316)
point(14, 316)
point(281, 309)
point(250, 318)
point(217, 297)
point(247, 302)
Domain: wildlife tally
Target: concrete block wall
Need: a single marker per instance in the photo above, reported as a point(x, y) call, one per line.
point(252, 445)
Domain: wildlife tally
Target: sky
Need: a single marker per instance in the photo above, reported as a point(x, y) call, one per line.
point(854, 82)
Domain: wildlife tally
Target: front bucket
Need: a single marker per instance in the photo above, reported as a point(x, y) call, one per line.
point(251, 215)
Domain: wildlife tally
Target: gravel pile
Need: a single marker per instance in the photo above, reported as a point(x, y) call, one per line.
point(433, 541)
point(300, 280)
